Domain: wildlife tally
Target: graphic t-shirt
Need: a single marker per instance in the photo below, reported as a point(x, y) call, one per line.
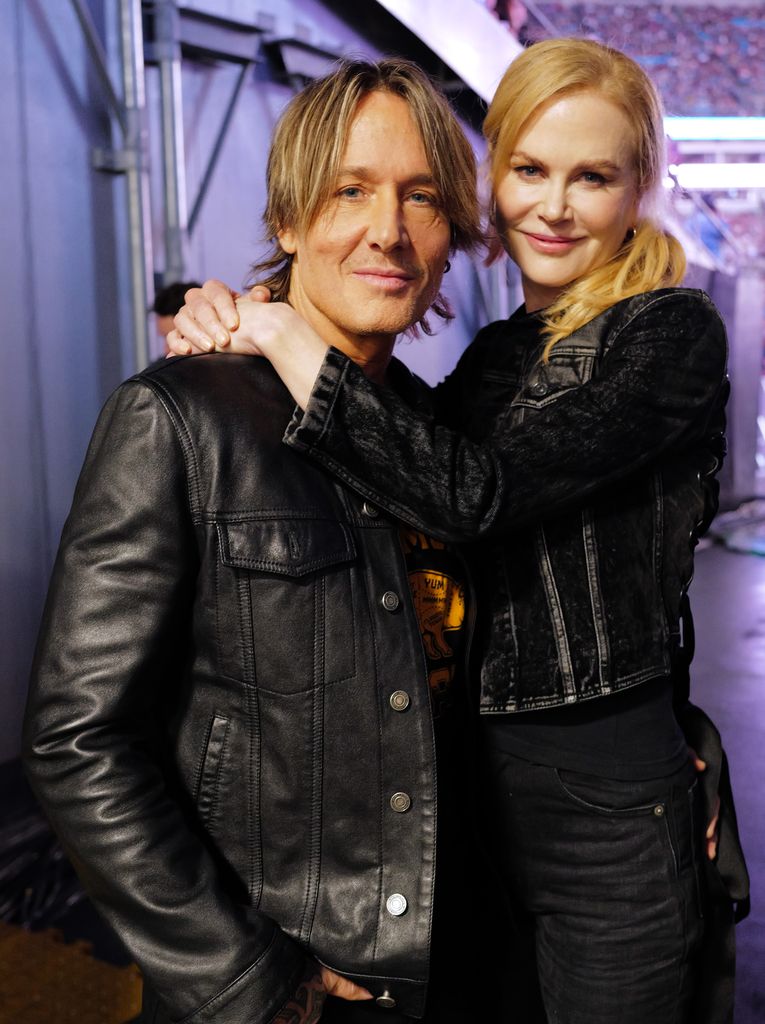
point(439, 594)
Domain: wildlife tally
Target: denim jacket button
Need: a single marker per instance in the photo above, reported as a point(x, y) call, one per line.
point(386, 1000)
point(370, 511)
point(390, 601)
point(539, 389)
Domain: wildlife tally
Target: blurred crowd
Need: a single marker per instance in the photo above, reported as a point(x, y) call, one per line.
point(705, 60)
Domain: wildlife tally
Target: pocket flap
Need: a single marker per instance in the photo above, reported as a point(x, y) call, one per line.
point(287, 547)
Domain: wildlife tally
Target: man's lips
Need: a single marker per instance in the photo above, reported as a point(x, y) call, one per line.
point(387, 278)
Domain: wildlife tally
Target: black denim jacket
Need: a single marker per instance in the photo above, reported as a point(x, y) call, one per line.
point(584, 482)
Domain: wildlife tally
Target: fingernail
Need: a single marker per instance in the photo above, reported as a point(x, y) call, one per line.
point(221, 337)
point(207, 345)
point(231, 323)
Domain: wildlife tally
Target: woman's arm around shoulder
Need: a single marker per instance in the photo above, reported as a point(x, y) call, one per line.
point(658, 384)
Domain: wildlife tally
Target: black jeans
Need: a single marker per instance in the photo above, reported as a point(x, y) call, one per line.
point(606, 875)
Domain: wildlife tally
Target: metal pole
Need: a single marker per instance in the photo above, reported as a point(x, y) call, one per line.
point(168, 54)
point(218, 144)
point(139, 210)
point(99, 60)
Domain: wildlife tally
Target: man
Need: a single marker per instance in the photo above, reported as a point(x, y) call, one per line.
point(230, 722)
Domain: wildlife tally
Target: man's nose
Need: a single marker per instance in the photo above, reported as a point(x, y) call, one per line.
point(387, 225)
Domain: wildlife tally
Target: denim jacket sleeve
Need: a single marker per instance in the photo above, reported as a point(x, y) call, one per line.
point(662, 377)
point(113, 643)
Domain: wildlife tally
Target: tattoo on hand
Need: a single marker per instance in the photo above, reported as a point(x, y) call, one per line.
point(306, 1005)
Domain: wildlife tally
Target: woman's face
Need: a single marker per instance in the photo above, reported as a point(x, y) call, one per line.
point(569, 195)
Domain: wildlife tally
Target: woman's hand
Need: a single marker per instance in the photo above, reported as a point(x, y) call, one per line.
point(209, 319)
point(215, 318)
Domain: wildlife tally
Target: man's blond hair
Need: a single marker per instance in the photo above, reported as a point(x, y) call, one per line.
point(310, 140)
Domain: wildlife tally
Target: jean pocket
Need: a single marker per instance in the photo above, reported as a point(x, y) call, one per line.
point(612, 797)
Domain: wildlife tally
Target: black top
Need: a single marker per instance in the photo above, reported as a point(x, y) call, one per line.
point(628, 735)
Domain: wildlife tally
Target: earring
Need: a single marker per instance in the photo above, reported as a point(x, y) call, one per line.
point(447, 267)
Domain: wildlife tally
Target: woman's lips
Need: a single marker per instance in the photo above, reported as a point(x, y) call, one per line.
point(550, 243)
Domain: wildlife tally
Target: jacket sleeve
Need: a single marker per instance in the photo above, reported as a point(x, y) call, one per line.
point(654, 390)
point(114, 640)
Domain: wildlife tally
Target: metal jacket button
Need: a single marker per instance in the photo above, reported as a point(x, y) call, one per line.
point(539, 389)
point(386, 1000)
point(369, 510)
point(659, 810)
point(401, 802)
point(399, 700)
point(390, 601)
point(396, 904)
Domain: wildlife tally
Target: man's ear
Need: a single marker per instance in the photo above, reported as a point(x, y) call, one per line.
point(287, 238)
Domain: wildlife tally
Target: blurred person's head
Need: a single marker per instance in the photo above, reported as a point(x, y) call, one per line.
point(168, 301)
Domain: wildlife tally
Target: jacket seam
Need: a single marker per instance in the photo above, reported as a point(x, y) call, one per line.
point(185, 438)
point(557, 621)
point(596, 602)
point(232, 984)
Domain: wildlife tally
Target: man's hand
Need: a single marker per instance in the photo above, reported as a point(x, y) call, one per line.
point(306, 1005)
point(711, 834)
point(209, 318)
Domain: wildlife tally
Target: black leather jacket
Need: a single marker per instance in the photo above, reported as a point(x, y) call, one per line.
point(210, 725)
point(586, 479)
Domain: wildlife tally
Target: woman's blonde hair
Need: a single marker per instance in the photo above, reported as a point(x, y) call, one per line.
point(649, 257)
point(310, 140)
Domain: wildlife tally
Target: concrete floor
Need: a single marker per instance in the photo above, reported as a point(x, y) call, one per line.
point(728, 681)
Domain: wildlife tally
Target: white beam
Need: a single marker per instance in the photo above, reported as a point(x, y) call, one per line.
point(476, 46)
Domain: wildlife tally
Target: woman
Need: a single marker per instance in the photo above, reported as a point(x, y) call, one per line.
point(575, 448)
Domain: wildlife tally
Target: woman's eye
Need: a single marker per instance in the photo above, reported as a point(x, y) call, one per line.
point(593, 178)
point(350, 192)
point(423, 198)
point(527, 171)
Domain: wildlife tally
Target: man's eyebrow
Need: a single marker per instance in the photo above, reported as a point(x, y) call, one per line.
point(368, 174)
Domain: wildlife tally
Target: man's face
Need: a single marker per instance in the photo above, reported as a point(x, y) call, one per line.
point(371, 263)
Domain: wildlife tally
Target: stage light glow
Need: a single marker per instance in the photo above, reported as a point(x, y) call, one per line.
point(717, 176)
point(715, 129)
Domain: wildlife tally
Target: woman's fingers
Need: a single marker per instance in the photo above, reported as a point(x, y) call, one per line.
point(336, 985)
point(259, 293)
point(177, 345)
point(202, 320)
point(194, 333)
point(214, 297)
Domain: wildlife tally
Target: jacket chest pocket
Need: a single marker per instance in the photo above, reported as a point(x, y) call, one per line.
point(290, 582)
point(545, 383)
